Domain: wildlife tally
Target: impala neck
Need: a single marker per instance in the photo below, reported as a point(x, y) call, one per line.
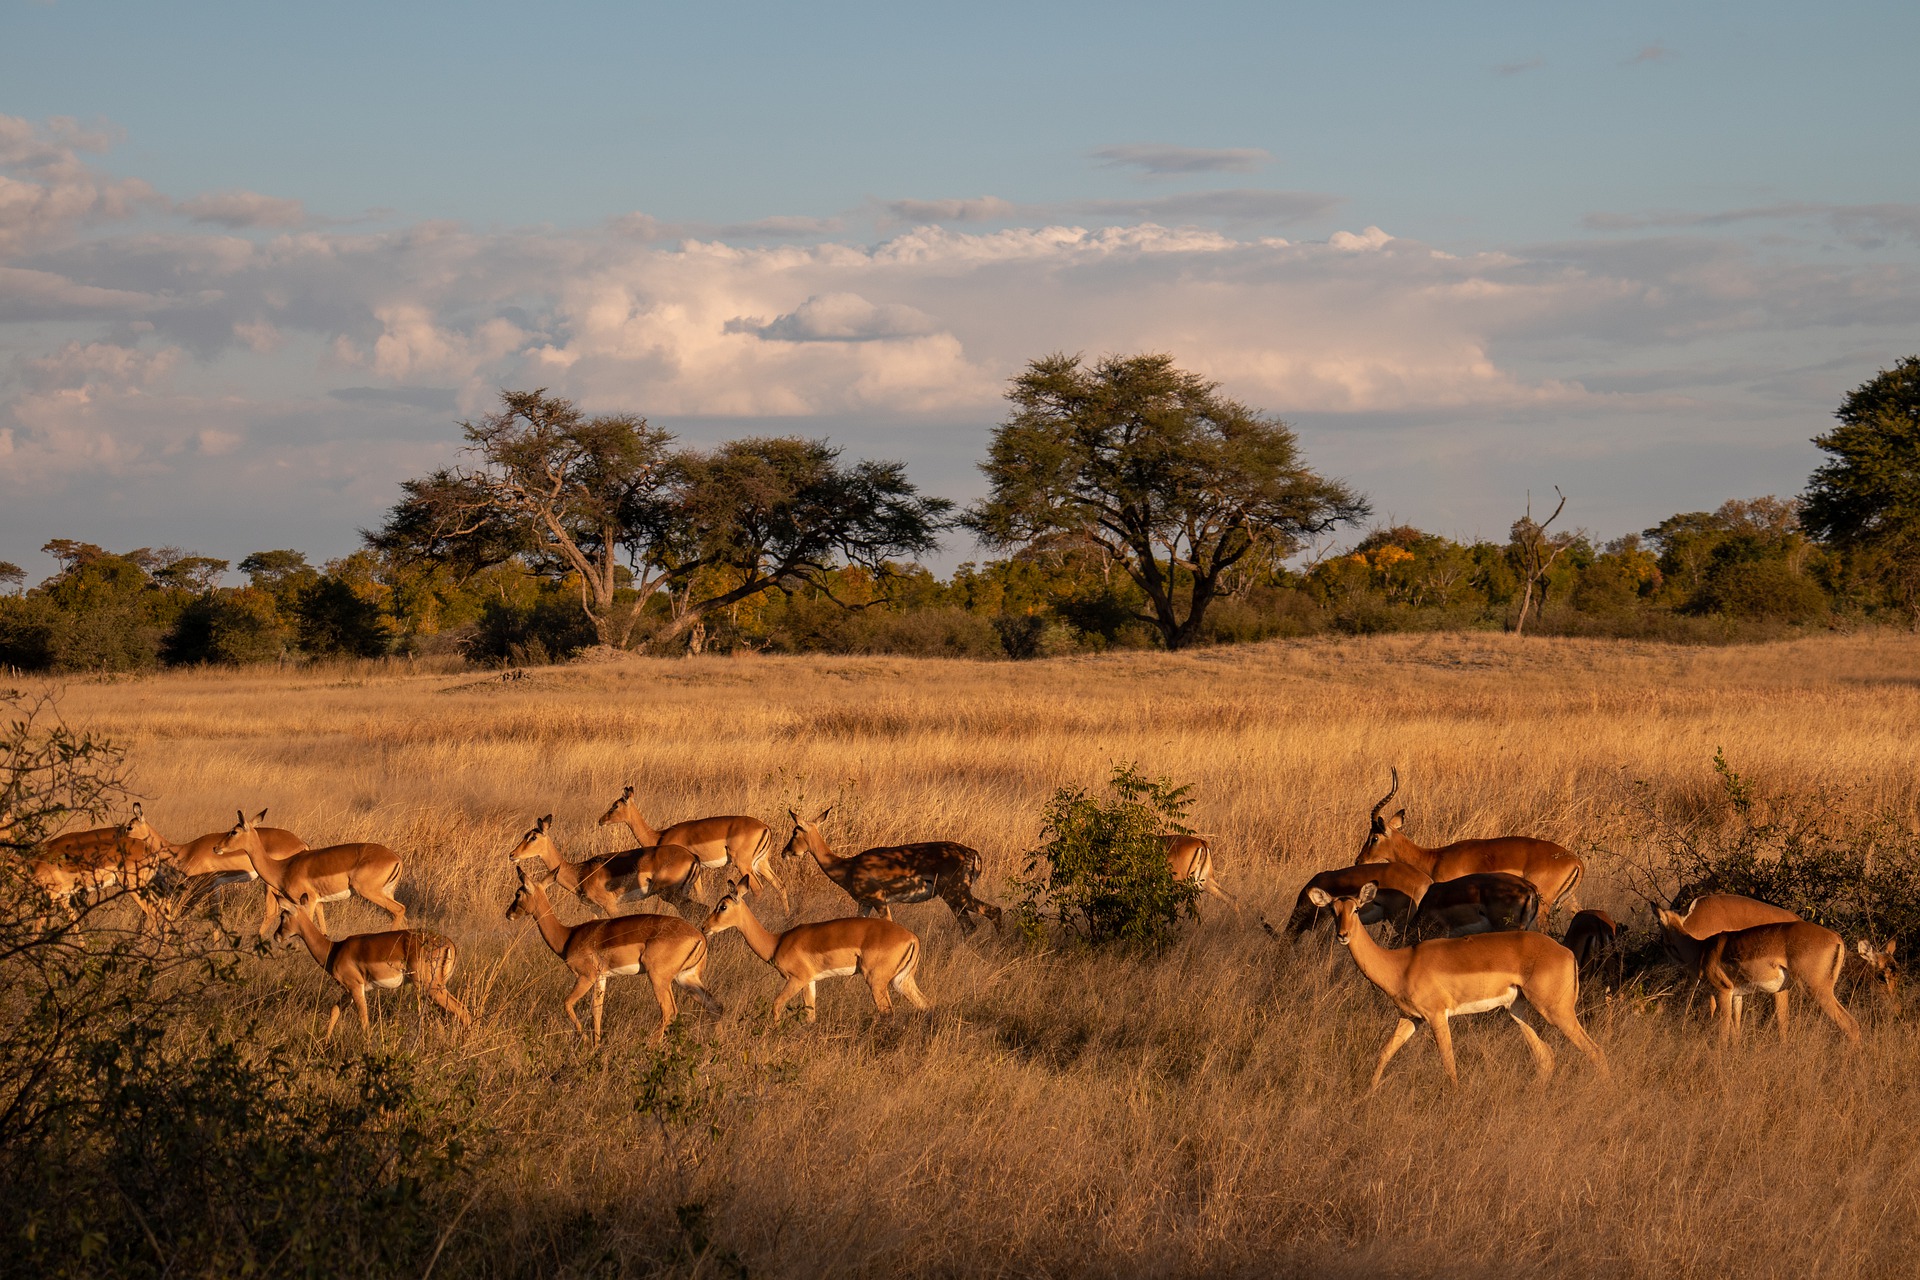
point(757, 935)
point(556, 934)
point(318, 944)
point(818, 847)
point(1397, 848)
point(268, 869)
point(1384, 969)
point(643, 834)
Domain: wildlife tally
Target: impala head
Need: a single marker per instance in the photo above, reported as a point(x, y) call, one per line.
point(526, 899)
point(1681, 947)
point(536, 843)
point(726, 913)
point(621, 810)
point(800, 842)
point(1881, 965)
point(286, 933)
point(241, 832)
point(1378, 827)
point(1346, 911)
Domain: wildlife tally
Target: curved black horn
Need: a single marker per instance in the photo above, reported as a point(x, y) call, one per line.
point(1390, 794)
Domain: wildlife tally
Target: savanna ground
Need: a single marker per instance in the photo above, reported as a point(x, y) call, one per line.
point(1202, 1112)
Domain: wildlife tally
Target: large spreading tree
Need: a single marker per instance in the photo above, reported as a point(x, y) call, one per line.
point(1866, 498)
point(607, 502)
point(1153, 468)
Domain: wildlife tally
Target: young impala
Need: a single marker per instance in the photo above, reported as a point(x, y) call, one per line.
point(608, 880)
point(671, 951)
point(745, 843)
point(1553, 870)
point(887, 876)
point(1593, 937)
point(384, 960)
point(1431, 982)
point(882, 950)
point(318, 876)
point(1765, 957)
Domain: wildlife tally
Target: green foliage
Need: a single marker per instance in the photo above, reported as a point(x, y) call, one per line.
point(229, 628)
point(1858, 877)
point(1106, 876)
point(1866, 497)
point(334, 620)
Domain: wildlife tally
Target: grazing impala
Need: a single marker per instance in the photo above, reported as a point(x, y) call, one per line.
point(201, 856)
point(746, 843)
point(1191, 858)
point(1431, 982)
point(1398, 889)
point(384, 960)
point(1554, 871)
point(1593, 938)
point(1764, 958)
point(1713, 913)
point(318, 876)
point(128, 857)
point(1487, 902)
point(882, 950)
point(1868, 963)
point(672, 952)
point(609, 879)
point(892, 875)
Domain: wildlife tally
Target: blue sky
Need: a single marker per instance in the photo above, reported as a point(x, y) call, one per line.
point(255, 260)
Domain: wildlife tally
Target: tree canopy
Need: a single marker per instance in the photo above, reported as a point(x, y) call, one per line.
point(1866, 497)
point(1151, 466)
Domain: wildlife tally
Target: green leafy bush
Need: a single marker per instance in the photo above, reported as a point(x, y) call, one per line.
point(1105, 876)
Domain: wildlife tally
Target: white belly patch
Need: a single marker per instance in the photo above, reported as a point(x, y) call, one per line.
point(624, 970)
point(847, 972)
point(1484, 1006)
point(341, 896)
point(388, 984)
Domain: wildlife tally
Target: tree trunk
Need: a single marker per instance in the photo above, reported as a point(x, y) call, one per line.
point(1526, 602)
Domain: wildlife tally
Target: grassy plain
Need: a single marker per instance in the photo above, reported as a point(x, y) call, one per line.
point(1202, 1113)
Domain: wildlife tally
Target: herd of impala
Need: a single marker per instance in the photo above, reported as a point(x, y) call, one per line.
point(1465, 916)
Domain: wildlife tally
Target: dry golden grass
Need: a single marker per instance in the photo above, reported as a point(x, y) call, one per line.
point(1064, 1115)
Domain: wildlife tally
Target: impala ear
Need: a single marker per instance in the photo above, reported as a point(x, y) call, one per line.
point(1864, 948)
point(823, 815)
point(1367, 891)
point(137, 812)
point(1397, 821)
point(1319, 897)
point(241, 814)
point(626, 792)
point(544, 823)
point(792, 813)
point(259, 817)
point(1891, 944)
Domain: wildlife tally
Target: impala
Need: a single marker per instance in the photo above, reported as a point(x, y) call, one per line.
point(1486, 902)
point(1431, 982)
point(672, 952)
point(1190, 858)
point(129, 857)
point(886, 876)
point(318, 876)
point(384, 960)
point(1593, 938)
point(1764, 958)
point(746, 843)
point(1554, 871)
point(1868, 963)
point(1398, 889)
point(610, 879)
point(1713, 913)
point(882, 950)
point(202, 856)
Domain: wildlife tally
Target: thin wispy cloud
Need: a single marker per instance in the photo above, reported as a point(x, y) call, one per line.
point(1158, 160)
point(1655, 52)
point(1243, 205)
point(1863, 224)
point(239, 210)
point(976, 209)
point(1519, 68)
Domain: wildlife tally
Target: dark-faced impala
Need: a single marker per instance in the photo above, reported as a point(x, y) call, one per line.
point(891, 875)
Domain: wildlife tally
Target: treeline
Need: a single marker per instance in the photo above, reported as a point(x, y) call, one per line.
point(1134, 506)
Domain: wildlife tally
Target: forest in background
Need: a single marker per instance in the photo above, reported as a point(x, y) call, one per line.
point(1134, 506)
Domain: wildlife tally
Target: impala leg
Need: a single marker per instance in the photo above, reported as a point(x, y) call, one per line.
point(384, 900)
point(793, 988)
point(1443, 1041)
point(446, 1000)
point(697, 985)
point(765, 868)
point(580, 989)
point(1832, 1007)
point(1566, 1019)
point(878, 985)
point(1401, 1034)
point(1542, 1056)
point(334, 1020)
point(599, 1004)
point(1780, 1012)
point(663, 992)
point(809, 1000)
point(360, 1007)
point(906, 986)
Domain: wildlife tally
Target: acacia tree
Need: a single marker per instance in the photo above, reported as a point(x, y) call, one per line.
point(1866, 498)
point(772, 514)
point(572, 495)
point(1154, 469)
